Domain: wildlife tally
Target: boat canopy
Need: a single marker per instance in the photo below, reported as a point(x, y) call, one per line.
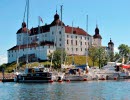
point(126, 66)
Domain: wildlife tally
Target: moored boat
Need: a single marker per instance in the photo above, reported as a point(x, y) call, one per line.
point(35, 74)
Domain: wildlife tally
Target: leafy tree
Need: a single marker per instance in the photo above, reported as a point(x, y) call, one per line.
point(124, 50)
point(111, 56)
point(102, 56)
point(56, 58)
point(116, 56)
point(92, 52)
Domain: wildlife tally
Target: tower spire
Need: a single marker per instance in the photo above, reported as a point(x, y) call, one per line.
point(96, 24)
point(56, 9)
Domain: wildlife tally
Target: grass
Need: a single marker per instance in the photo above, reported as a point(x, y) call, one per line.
point(78, 60)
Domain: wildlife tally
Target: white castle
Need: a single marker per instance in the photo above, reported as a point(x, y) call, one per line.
point(40, 41)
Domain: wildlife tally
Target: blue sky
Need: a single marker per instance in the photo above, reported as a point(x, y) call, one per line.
point(112, 17)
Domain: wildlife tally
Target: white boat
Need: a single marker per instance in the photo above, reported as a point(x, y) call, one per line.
point(75, 74)
point(109, 71)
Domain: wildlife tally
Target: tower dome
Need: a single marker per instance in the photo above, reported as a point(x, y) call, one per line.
point(57, 21)
point(23, 24)
point(97, 35)
point(23, 29)
point(110, 43)
point(56, 16)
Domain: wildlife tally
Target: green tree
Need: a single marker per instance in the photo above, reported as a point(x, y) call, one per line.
point(56, 58)
point(116, 56)
point(92, 53)
point(102, 56)
point(111, 56)
point(124, 50)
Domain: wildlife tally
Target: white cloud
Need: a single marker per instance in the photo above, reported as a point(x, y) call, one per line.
point(116, 49)
point(3, 59)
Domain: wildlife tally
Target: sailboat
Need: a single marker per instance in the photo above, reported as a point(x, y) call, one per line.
point(35, 74)
point(74, 73)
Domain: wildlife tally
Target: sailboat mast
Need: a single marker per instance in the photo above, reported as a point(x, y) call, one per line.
point(25, 11)
point(61, 37)
point(27, 30)
point(72, 45)
point(86, 41)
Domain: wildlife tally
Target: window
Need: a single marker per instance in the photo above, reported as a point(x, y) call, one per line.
point(67, 42)
point(59, 39)
point(12, 55)
point(81, 37)
point(76, 42)
point(88, 38)
point(85, 43)
point(9, 55)
point(72, 42)
point(76, 49)
point(67, 48)
point(72, 49)
point(60, 45)
point(59, 32)
point(81, 49)
point(67, 36)
point(80, 43)
point(23, 49)
point(52, 33)
point(42, 46)
point(76, 37)
point(45, 35)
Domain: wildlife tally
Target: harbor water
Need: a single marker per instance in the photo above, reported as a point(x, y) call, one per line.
point(92, 90)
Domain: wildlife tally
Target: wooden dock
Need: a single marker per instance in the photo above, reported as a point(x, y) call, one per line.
point(8, 77)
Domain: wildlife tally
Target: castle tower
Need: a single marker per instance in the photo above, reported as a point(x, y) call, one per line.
point(111, 46)
point(22, 36)
point(97, 39)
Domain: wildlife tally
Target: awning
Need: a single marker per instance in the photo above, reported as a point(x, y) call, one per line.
point(126, 66)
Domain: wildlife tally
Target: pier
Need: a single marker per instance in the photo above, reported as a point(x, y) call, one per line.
point(7, 77)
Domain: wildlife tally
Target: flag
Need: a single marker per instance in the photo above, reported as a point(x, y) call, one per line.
point(40, 19)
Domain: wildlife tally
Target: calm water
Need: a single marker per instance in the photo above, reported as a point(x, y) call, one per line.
point(94, 90)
